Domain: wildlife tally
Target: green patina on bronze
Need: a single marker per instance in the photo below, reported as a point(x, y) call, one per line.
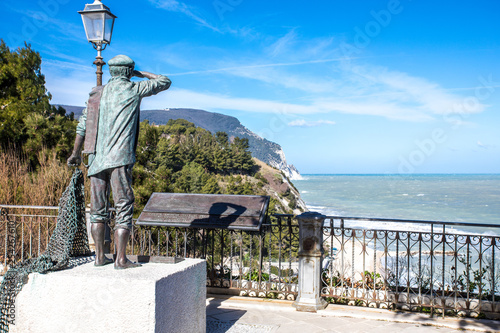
point(111, 122)
point(118, 120)
point(92, 120)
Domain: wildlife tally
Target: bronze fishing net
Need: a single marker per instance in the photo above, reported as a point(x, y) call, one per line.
point(68, 241)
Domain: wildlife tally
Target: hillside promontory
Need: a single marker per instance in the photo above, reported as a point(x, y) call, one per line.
point(183, 158)
point(267, 151)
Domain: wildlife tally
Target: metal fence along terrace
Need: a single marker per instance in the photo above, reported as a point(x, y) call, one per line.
point(441, 268)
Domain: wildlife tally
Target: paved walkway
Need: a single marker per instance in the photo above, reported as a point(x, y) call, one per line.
point(245, 314)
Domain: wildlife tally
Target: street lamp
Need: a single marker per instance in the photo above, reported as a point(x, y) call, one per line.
point(98, 22)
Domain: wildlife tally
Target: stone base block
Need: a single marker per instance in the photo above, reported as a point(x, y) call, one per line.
point(152, 298)
point(309, 305)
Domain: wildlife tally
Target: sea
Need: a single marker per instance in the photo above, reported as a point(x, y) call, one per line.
point(469, 198)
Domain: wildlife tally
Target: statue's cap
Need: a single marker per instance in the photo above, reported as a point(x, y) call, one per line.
point(121, 60)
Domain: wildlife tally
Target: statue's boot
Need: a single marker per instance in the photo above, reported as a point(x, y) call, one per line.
point(107, 239)
point(121, 239)
point(98, 230)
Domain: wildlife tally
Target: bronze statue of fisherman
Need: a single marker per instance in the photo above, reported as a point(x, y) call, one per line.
point(109, 129)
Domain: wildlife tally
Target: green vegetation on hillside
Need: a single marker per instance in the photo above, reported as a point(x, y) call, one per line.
point(28, 123)
point(261, 148)
point(180, 157)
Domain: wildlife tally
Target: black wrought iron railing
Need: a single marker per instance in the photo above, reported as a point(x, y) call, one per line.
point(25, 231)
point(263, 264)
point(427, 266)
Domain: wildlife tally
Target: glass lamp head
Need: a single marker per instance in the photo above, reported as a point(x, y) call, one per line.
point(98, 22)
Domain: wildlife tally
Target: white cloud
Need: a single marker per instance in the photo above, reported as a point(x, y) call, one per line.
point(41, 19)
point(69, 91)
point(322, 82)
point(73, 90)
point(205, 18)
point(277, 77)
point(234, 70)
point(183, 98)
point(283, 44)
point(484, 145)
point(69, 83)
point(419, 92)
point(297, 87)
point(367, 90)
point(304, 123)
point(180, 7)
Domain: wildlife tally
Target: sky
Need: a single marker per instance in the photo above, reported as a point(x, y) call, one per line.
point(345, 87)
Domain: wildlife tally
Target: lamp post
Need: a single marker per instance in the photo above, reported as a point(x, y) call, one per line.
point(98, 22)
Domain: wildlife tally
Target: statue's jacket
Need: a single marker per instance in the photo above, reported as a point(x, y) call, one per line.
point(117, 124)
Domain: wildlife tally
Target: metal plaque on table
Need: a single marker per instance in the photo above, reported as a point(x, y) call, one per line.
point(237, 212)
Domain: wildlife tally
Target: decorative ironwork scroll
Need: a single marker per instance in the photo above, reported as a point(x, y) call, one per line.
point(411, 265)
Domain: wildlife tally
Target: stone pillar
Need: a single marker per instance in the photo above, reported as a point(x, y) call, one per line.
point(310, 252)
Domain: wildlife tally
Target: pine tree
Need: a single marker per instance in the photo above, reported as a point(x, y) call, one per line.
point(28, 122)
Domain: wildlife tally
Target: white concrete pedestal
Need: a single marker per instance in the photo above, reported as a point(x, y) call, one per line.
point(151, 298)
point(310, 253)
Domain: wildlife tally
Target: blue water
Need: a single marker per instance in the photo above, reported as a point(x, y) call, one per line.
point(454, 198)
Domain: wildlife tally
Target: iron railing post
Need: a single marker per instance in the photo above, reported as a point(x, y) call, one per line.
point(310, 253)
